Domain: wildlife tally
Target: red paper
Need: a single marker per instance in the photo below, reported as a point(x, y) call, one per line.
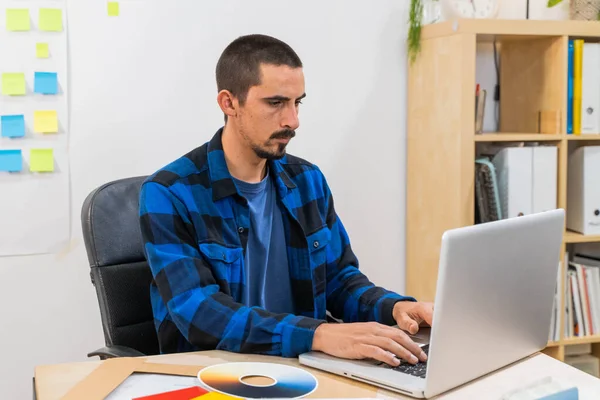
point(181, 394)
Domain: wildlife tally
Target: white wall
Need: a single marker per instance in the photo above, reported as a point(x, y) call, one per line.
point(142, 93)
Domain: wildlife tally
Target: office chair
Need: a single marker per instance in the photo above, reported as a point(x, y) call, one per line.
point(119, 270)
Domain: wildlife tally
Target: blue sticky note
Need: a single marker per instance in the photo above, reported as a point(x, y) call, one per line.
point(12, 125)
point(45, 83)
point(11, 160)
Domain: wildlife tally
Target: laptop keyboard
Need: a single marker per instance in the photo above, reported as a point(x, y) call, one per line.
point(419, 370)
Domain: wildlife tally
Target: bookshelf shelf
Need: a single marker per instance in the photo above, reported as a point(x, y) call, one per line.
point(516, 137)
point(533, 68)
point(581, 340)
point(575, 237)
point(486, 29)
point(583, 137)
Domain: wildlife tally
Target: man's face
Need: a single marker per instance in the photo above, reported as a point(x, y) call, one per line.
point(269, 117)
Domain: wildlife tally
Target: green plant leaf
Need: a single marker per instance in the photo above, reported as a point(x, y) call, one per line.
point(552, 3)
point(414, 29)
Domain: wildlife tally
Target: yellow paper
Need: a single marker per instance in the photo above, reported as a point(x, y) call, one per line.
point(13, 84)
point(45, 122)
point(41, 160)
point(41, 50)
point(50, 19)
point(17, 19)
point(213, 396)
point(113, 9)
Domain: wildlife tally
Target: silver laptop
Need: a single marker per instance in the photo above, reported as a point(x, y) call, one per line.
point(493, 307)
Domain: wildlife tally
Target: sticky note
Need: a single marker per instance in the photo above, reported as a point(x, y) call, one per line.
point(42, 50)
point(50, 20)
point(11, 160)
point(41, 160)
point(13, 84)
point(113, 9)
point(12, 126)
point(17, 19)
point(45, 83)
point(45, 121)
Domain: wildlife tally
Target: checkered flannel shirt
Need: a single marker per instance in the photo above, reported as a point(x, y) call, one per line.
point(195, 228)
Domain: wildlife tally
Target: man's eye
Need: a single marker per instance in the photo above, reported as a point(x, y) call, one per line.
point(275, 103)
point(298, 103)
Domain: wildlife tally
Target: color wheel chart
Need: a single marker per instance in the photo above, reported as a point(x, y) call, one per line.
point(289, 382)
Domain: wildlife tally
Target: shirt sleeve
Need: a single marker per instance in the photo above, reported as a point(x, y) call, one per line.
point(351, 297)
point(207, 317)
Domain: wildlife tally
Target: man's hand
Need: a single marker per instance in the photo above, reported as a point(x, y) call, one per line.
point(410, 315)
point(367, 340)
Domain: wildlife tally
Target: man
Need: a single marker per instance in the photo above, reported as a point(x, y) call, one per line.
point(244, 243)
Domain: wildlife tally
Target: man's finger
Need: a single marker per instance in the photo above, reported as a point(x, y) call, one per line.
point(427, 314)
point(394, 347)
point(377, 353)
point(405, 341)
point(408, 324)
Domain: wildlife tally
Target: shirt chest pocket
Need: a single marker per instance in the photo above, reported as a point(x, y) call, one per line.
point(317, 246)
point(225, 262)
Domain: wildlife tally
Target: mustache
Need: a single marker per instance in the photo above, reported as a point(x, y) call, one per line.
point(284, 134)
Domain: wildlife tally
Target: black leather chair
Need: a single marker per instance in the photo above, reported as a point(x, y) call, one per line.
point(119, 270)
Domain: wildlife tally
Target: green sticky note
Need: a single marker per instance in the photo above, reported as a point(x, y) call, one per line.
point(42, 50)
point(113, 9)
point(17, 19)
point(50, 20)
point(41, 160)
point(13, 84)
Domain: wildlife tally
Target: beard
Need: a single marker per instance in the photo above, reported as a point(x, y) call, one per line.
point(270, 154)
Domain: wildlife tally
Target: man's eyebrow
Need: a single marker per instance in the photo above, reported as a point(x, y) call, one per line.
point(283, 98)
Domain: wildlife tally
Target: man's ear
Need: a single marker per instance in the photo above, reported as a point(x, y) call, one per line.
point(228, 103)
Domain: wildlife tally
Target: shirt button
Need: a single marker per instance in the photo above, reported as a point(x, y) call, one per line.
point(223, 256)
point(316, 244)
point(241, 229)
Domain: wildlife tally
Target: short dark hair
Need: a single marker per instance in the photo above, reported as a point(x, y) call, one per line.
point(238, 68)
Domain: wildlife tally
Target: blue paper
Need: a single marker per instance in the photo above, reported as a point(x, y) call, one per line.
point(45, 83)
point(11, 160)
point(568, 394)
point(12, 126)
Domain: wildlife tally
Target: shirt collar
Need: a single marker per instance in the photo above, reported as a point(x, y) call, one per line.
point(221, 180)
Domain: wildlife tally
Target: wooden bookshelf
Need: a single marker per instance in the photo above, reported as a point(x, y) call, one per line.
point(441, 105)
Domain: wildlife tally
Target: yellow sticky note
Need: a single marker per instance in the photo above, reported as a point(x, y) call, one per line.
point(45, 121)
point(17, 19)
point(113, 9)
point(42, 50)
point(41, 160)
point(50, 19)
point(13, 84)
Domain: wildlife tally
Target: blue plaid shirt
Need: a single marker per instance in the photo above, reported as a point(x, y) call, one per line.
point(195, 230)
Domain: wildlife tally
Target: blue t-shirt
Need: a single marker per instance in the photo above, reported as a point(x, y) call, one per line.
point(268, 282)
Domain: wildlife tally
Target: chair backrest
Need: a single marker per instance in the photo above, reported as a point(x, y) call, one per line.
point(119, 269)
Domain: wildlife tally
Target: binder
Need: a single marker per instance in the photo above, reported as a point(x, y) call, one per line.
point(570, 88)
point(545, 178)
point(590, 89)
point(514, 180)
point(577, 64)
point(527, 179)
point(583, 191)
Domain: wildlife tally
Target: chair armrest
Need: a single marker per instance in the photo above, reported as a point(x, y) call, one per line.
point(115, 351)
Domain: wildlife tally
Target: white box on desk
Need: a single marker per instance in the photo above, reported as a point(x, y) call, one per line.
point(583, 191)
point(527, 179)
